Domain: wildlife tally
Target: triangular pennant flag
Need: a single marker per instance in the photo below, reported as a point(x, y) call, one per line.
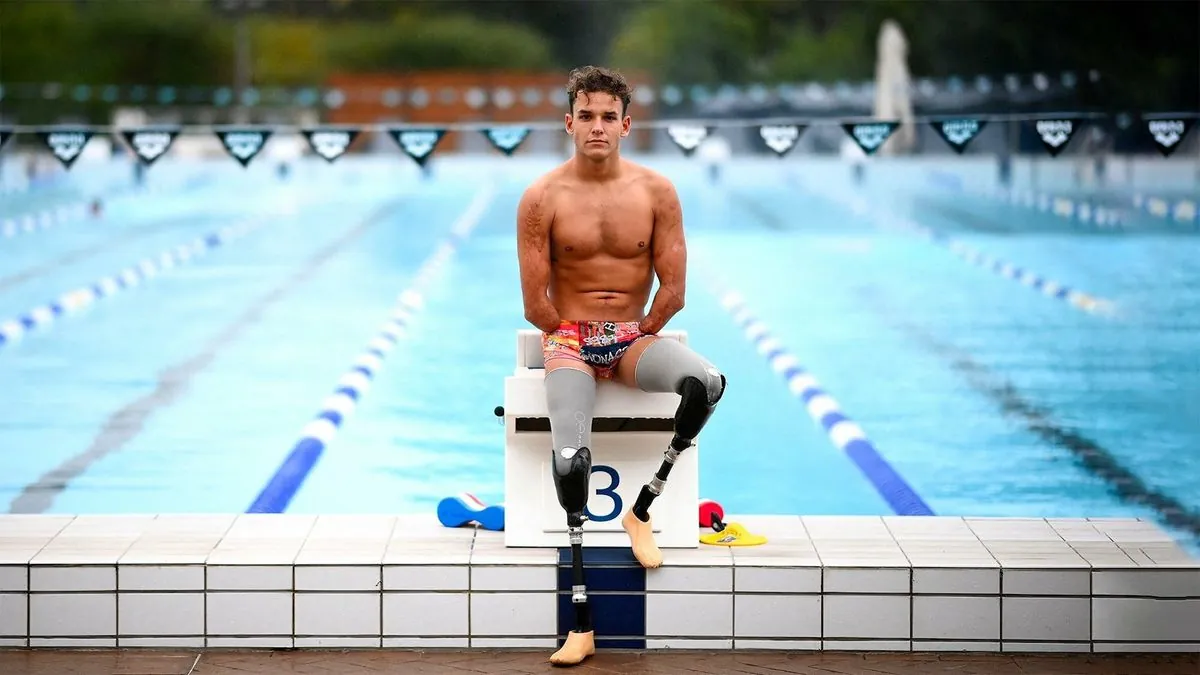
point(780, 138)
point(67, 143)
point(687, 136)
point(243, 143)
point(1055, 133)
point(418, 144)
point(1168, 133)
point(330, 143)
point(150, 144)
point(5, 134)
point(958, 133)
point(870, 136)
point(507, 139)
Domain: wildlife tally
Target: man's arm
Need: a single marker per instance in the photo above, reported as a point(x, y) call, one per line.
point(533, 256)
point(670, 258)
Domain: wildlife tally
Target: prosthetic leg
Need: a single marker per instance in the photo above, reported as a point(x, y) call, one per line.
point(570, 397)
point(668, 365)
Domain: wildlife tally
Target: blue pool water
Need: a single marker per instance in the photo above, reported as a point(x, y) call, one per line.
point(187, 392)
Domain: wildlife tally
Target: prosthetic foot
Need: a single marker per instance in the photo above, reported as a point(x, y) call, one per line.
point(572, 468)
point(697, 403)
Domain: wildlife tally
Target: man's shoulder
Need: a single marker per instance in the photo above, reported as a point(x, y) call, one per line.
point(657, 184)
point(545, 183)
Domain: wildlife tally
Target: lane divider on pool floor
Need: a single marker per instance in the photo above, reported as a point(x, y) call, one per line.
point(1080, 300)
point(354, 383)
point(11, 226)
point(84, 296)
point(844, 433)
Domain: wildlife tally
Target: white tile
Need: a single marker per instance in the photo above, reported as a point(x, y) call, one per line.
point(121, 526)
point(160, 577)
point(14, 578)
point(869, 528)
point(32, 524)
point(885, 617)
point(348, 578)
point(933, 581)
point(1045, 582)
point(952, 646)
point(693, 579)
point(777, 579)
point(249, 578)
point(1129, 531)
point(426, 614)
point(704, 556)
point(426, 643)
point(956, 618)
point(513, 578)
point(681, 615)
point(334, 553)
point(249, 614)
point(228, 642)
point(63, 578)
point(777, 616)
point(20, 550)
point(56, 642)
point(1156, 647)
point(928, 528)
point(1136, 619)
point(263, 526)
point(798, 553)
point(695, 645)
point(337, 642)
point(867, 581)
point(172, 642)
point(866, 645)
point(1077, 530)
point(72, 614)
point(14, 614)
point(372, 527)
point(265, 552)
point(1044, 647)
point(456, 552)
point(1012, 529)
point(160, 614)
point(14, 642)
point(1059, 619)
point(776, 529)
point(331, 614)
point(515, 614)
point(1183, 583)
point(169, 552)
point(778, 645)
point(513, 643)
point(82, 551)
point(426, 578)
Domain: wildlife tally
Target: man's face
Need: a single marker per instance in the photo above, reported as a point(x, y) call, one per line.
point(596, 124)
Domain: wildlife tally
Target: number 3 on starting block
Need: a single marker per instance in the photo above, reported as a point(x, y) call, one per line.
point(612, 506)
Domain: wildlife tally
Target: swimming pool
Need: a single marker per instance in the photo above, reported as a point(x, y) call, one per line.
point(919, 309)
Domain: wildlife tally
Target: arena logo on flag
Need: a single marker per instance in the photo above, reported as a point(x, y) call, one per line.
point(150, 144)
point(780, 138)
point(687, 136)
point(243, 144)
point(507, 139)
point(870, 136)
point(66, 144)
point(418, 144)
point(1056, 133)
point(1168, 133)
point(330, 144)
point(958, 133)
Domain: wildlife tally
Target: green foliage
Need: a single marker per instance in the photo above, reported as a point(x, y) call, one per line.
point(687, 42)
point(422, 41)
point(288, 52)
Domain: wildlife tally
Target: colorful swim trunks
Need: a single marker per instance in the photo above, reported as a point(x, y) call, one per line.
point(600, 344)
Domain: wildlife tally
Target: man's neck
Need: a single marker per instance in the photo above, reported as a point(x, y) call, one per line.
point(597, 171)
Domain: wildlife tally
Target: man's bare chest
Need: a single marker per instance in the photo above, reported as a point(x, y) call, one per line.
point(593, 226)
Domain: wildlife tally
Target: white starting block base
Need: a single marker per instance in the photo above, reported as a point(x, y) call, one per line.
point(387, 581)
point(630, 433)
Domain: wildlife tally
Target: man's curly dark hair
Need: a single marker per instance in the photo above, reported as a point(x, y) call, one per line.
point(592, 79)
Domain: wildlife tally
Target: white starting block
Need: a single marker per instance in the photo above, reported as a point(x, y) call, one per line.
point(631, 431)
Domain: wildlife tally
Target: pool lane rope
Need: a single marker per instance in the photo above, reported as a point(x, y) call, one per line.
point(845, 434)
point(82, 297)
point(1080, 300)
point(353, 385)
point(13, 225)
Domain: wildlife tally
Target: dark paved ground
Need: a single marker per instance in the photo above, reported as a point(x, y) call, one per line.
point(194, 662)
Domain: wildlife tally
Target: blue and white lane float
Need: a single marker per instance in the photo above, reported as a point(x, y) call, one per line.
point(80, 298)
point(355, 382)
point(1181, 211)
point(1052, 289)
point(843, 432)
point(11, 226)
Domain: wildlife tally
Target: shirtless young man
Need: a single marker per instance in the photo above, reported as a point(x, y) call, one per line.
point(592, 235)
